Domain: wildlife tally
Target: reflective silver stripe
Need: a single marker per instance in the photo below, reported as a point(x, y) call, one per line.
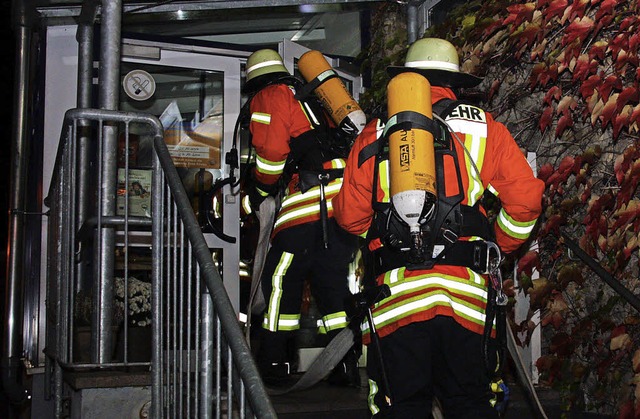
point(334, 323)
point(310, 113)
point(302, 212)
point(325, 74)
point(522, 228)
point(276, 290)
point(263, 64)
point(437, 65)
point(404, 286)
point(266, 166)
point(425, 302)
point(263, 118)
point(284, 322)
point(475, 143)
point(371, 400)
point(310, 194)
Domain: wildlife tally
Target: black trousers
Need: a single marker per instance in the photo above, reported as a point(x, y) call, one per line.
point(326, 269)
point(434, 358)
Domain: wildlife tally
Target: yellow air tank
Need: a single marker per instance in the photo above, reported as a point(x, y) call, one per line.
point(411, 150)
point(333, 94)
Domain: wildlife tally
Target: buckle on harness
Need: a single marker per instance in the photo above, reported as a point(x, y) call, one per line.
point(495, 276)
point(493, 263)
point(449, 235)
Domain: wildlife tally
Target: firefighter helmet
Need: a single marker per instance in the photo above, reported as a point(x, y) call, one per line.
point(264, 66)
point(437, 60)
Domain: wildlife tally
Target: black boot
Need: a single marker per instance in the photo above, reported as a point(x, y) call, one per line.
point(346, 373)
point(274, 358)
point(276, 374)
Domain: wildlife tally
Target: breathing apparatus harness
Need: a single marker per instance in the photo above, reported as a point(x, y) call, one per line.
point(310, 149)
point(441, 227)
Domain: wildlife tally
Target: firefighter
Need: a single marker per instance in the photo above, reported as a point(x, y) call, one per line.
point(431, 329)
point(297, 150)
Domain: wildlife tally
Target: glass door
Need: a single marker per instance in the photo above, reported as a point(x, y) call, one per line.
point(197, 98)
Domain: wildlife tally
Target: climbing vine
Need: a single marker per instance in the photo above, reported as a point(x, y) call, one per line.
point(563, 76)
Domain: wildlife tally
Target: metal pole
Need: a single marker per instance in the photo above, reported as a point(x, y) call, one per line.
point(412, 22)
point(17, 205)
point(85, 37)
point(625, 293)
point(110, 38)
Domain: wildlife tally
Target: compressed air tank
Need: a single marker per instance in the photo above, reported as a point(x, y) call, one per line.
point(411, 149)
point(333, 94)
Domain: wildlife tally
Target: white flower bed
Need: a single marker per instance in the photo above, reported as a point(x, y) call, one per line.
point(139, 299)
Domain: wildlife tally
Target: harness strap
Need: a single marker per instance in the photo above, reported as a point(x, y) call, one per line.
point(310, 178)
point(313, 84)
point(407, 120)
point(475, 255)
point(401, 121)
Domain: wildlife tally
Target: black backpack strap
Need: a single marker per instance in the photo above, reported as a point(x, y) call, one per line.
point(445, 106)
point(369, 151)
point(310, 86)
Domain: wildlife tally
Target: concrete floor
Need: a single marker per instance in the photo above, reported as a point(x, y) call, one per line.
point(324, 401)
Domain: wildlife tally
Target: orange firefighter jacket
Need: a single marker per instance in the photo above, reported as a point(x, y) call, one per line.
point(276, 118)
point(454, 291)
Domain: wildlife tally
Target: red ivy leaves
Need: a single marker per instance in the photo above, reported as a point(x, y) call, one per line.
point(577, 10)
point(564, 122)
point(541, 75)
point(624, 162)
point(628, 94)
point(606, 8)
point(598, 50)
point(546, 118)
point(556, 9)
point(555, 92)
point(585, 66)
point(609, 110)
point(545, 172)
point(531, 33)
point(608, 84)
point(589, 85)
point(626, 214)
point(529, 262)
point(519, 13)
point(579, 29)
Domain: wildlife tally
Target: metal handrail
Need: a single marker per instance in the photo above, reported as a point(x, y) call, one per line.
point(240, 362)
point(601, 272)
point(247, 368)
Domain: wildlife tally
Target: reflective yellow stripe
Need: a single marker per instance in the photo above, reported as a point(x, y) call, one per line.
point(383, 176)
point(262, 118)
point(273, 309)
point(246, 205)
point(476, 146)
point(269, 167)
point(312, 200)
point(312, 194)
point(286, 322)
point(431, 290)
point(475, 141)
point(304, 111)
point(333, 321)
point(517, 229)
point(371, 400)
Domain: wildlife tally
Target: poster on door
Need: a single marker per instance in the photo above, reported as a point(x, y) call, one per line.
point(134, 192)
point(194, 144)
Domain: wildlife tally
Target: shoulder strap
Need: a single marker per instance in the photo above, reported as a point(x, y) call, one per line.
point(309, 87)
point(442, 108)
